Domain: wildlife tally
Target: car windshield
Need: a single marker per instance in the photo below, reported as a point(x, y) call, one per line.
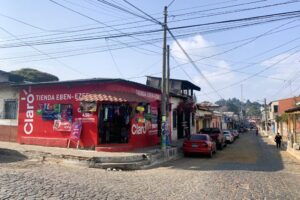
point(226, 133)
point(205, 130)
point(198, 137)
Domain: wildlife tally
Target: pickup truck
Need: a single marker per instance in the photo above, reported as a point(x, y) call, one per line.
point(216, 134)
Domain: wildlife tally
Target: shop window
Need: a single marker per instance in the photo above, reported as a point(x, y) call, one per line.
point(10, 109)
point(275, 109)
point(62, 112)
point(174, 119)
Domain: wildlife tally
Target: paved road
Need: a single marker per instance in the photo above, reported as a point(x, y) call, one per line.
point(248, 169)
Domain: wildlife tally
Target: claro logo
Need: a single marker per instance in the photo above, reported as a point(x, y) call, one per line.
point(28, 121)
point(137, 130)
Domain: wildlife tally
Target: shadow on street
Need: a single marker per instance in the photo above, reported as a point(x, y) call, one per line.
point(9, 156)
point(249, 153)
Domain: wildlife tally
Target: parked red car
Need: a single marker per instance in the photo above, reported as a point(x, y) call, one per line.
point(199, 143)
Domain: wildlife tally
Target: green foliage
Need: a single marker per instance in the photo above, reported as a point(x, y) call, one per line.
point(282, 118)
point(33, 75)
point(234, 105)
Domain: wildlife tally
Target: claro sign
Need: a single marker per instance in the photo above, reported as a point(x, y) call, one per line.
point(29, 114)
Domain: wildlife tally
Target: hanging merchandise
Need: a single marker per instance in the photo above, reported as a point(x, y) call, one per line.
point(140, 109)
point(105, 113)
point(88, 107)
point(48, 112)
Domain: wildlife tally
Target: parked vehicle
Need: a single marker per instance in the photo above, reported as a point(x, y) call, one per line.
point(216, 134)
point(229, 137)
point(199, 143)
point(242, 130)
point(235, 133)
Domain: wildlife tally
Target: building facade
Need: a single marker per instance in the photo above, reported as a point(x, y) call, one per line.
point(9, 103)
point(111, 113)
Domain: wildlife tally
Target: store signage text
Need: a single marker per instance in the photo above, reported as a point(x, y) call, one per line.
point(28, 121)
point(147, 94)
point(59, 97)
point(137, 130)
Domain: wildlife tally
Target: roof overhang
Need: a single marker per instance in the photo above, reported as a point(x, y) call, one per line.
point(115, 97)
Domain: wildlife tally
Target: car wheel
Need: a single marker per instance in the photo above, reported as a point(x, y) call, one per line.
point(185, 154)
point(210, 155)
point(215, 151)
point(220, 146)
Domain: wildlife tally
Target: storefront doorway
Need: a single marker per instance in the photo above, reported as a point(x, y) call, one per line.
point(114, 123)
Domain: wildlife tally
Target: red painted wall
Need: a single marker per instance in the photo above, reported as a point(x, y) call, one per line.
point(285, 104)
point(41, 132)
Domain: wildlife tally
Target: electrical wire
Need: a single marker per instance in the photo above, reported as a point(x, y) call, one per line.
point(44, 53)
point(193, 63)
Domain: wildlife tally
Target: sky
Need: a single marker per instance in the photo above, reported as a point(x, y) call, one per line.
point(252, 62)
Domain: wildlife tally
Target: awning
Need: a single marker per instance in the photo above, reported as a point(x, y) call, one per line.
point(292, 110)
point(117, 97)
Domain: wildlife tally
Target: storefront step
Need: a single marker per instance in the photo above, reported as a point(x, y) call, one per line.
point(123, 166)
point(120, 159)
point(114, 148)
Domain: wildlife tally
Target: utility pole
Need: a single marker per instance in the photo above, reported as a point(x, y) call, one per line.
point(242, 117)
point(164, 127)
point(168, 80)
point(266, 117)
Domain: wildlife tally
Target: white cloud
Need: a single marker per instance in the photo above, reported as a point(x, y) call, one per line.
point(195, 46)
point(285, 66)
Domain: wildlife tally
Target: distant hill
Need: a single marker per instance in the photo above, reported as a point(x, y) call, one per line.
point(234, 105)
point(33, 75)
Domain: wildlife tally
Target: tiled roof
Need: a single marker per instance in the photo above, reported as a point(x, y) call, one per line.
point(117, 97)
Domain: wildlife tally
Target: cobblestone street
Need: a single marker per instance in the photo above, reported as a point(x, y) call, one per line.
point(251, 168)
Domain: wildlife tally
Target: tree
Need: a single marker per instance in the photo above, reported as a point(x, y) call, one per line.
point(33, 75)
point(234, 105)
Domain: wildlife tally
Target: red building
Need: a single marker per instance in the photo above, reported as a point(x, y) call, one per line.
point(112, 112)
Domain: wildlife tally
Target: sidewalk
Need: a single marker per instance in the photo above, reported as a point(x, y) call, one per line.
point(89, 158)
point(291, 151)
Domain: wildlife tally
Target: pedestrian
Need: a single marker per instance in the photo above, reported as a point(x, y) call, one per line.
point(256, 132)
point(278, 139)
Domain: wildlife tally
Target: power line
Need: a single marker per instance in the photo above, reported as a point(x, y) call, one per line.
point(193, 63)
point(114, 47)
point(287, 15)
point(152, 18)
point(123, 9)
point(254, 75)
point(44, 53)
point(233, 11)
point(171, 3)
point(113, 59)
point(86, 16)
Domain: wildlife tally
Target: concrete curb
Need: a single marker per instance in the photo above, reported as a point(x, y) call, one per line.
point(294, 153)
point(151, 159)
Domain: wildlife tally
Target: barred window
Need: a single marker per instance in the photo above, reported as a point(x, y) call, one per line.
point(10, 109)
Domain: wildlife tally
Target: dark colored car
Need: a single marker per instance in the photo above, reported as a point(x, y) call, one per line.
point(216, 134)
point(199, 143)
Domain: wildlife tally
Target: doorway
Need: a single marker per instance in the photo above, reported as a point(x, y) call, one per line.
point(114, 125)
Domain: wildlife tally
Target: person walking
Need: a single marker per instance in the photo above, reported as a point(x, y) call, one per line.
point(278, 139)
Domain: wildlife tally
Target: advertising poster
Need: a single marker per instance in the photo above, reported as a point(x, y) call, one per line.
point(76, 130)
point(63, 126)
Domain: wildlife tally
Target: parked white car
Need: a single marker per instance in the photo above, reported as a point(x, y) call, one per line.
point(235, 133)
point(229, 137)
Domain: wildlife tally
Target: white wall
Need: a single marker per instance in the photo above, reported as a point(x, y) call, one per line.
point(8, 93)
point(175, 102)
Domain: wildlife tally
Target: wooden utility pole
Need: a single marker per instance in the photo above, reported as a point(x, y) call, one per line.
point(164, 128)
